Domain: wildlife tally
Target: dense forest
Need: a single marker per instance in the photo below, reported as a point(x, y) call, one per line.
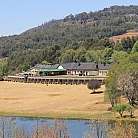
point(82, 37)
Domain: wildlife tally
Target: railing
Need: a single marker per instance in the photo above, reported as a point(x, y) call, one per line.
point(55, 79)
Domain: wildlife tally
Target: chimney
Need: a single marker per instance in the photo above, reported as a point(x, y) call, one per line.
point(79, 63)
point(97, 66)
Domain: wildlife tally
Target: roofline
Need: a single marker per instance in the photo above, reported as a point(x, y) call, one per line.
point(84, 69)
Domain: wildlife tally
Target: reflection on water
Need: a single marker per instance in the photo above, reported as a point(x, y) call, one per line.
point(97, 129)
point(12, 127)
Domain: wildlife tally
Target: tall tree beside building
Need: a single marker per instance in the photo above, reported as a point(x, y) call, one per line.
point(135, 47)
point(123, 78)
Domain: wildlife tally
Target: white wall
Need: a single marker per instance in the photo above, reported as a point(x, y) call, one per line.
point(86, 73)
point(103, 72)
point(92, 73)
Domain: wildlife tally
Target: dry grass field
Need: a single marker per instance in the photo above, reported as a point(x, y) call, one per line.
point(50, 101)
point(123, 36)
point(53, 101)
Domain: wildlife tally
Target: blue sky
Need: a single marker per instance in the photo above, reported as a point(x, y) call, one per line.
point(16, 16)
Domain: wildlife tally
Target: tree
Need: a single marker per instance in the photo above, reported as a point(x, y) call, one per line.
point(135, 47)
point(118, 46)
point(127, 44)
point(120, 108)
point(80, 54)
point(67, 56)
point(119, 55)
point(3, 67)
point(90, 56)
point(123, 78)
point(93, 85)
point(111, 88)
point(133, 59)
point(45, 62)
point(128, 86)
point(107, 54)
point(24, 67)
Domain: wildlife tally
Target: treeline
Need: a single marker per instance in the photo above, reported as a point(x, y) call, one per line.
point(3, 67)
point(22, 60)
point(81, 37)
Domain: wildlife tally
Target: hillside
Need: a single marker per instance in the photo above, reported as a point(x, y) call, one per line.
point(51, 40)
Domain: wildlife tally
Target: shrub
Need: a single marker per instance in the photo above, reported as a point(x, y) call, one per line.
point(93, 85)
point(120, 108)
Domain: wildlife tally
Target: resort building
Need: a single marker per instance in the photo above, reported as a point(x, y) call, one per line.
point(46, 70)
point(86, 69)
point(74, 68)
point(81, 69)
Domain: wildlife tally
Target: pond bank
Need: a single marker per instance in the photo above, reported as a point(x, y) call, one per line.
point(109, 116)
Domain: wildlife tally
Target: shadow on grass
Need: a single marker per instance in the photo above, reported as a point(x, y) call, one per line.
point(98, 92)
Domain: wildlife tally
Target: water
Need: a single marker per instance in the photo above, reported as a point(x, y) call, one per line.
point(17, 127)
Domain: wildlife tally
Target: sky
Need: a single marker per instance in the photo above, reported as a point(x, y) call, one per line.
point(17, 16)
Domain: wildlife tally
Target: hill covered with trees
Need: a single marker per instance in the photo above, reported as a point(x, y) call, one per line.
point(82, 37)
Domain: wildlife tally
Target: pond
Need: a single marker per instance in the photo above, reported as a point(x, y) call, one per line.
point(19, 127)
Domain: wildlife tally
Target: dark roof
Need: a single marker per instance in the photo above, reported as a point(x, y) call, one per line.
point(74, 66)
point(104, 66)
point(70, 66)
point(85, 66)
point(80, 66)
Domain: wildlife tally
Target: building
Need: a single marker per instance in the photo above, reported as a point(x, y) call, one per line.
point(86, 69)
point(74, 68)
point(47, 70)
point(81, 69)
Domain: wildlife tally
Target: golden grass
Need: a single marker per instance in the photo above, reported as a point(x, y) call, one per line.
point(52, 101)
point(124, 36)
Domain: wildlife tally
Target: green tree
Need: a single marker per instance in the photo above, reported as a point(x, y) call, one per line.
point(118, 46)
point(135, 47)
point(3, 67)
point(119, 55)
point(68, 56)
point(111, 89)
point(24, 67)
point(80, 54)
point(120, 108)
point(107, 54)
point(123, 78)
